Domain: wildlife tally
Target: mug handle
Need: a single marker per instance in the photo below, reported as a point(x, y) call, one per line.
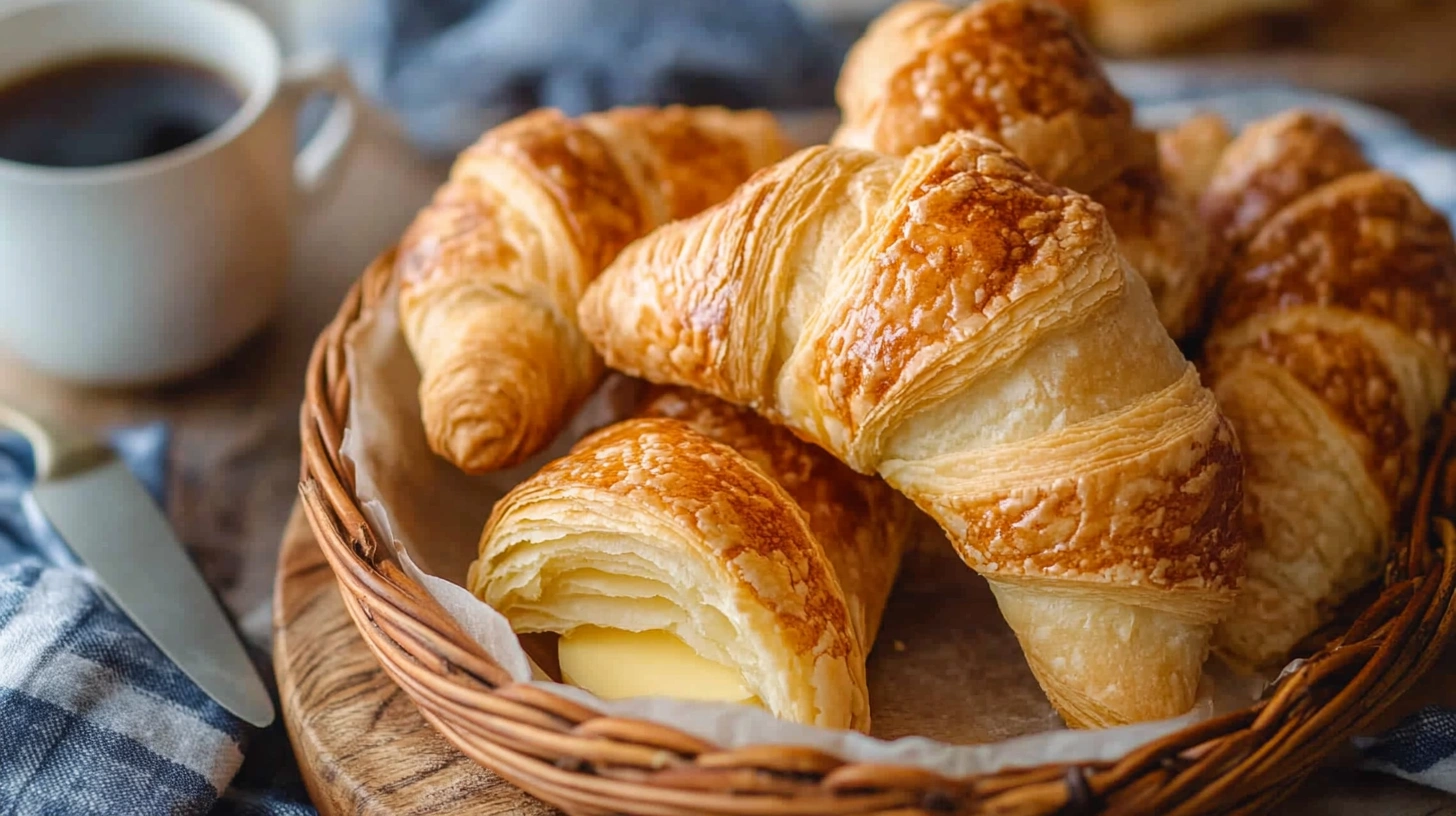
point(317, 166)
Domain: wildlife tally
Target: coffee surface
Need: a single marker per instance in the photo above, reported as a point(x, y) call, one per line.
point(110, 108)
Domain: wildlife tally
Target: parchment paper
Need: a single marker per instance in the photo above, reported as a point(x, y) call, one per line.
point(949, 688)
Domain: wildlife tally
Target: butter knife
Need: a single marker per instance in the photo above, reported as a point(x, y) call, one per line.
point(113, 526)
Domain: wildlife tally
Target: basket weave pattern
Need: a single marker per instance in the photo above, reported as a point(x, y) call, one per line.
point(586, 763)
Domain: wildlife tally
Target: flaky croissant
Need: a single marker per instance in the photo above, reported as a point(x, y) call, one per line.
point(862, 523)
point(650, 535)
point(1332, 349)
point(1017, 72)
point(1272, 163)
point(969, 332)
point(1014, 71)
point(492, 269)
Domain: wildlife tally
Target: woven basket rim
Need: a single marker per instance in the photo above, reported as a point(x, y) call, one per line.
point(585, 762)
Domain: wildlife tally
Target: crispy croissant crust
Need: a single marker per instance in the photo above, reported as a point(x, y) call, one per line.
point(1273, 162)
point(962, 327)
point(1014, 71)
point(492, 269)
point(861, 522)
point(1017, 72)
point(734, 569)
point(1331, 351)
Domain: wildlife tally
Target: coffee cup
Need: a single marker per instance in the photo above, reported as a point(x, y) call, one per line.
point(143, 270)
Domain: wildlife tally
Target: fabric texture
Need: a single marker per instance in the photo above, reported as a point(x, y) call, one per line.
point(1422, 748)
point(448, 70)
point(93, 719)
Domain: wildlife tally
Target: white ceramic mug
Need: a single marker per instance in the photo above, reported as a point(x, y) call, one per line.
point(151, 269)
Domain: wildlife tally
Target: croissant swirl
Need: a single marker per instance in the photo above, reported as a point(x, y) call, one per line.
point(492, 269)
point(969, 332)
point(650, 526)
point(1332, 349)
point(1018, 72)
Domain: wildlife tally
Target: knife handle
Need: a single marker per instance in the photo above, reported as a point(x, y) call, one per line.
point(59, 450)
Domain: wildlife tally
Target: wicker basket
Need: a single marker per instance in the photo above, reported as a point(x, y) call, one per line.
point(587, 763)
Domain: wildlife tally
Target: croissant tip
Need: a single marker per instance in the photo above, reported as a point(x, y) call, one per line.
point(491, 433)
point(475, 447)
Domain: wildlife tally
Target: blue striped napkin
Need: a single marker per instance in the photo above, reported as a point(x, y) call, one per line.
point(93, 719)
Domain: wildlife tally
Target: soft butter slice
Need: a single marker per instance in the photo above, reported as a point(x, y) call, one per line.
point(615, 663)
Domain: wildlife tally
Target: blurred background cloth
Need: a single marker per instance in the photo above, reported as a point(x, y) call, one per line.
point(448, 69)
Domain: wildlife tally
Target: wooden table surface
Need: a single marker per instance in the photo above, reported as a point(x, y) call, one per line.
point(234, 461)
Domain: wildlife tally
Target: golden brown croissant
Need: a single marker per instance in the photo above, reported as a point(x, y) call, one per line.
point(1332, 349)
point(673, 566)
point(862, 523)
point(968, 331)
point(492, 269)
point(1014, 71)
point(1017, 72)
point(1272, 163)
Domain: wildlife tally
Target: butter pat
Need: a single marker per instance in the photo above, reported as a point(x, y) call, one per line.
point(615, 663)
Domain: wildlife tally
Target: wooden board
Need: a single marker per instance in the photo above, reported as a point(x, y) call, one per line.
point(364, 749)
point(362, 746)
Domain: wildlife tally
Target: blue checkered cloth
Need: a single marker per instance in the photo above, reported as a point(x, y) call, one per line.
point(93, 719)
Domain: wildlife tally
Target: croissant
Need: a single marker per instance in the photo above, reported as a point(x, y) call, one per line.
point(862, 523)
point(673, 565)
point(963, 328)
point(1331, 350)
point(490, 272)
point(1018, 72)
point(1014, 71)
point(1273, 162)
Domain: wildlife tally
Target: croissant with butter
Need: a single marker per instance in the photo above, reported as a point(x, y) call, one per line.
point(1331, 350)
point(1019, 73)
point(699, 551)
point(490, 272)
point(969, 332)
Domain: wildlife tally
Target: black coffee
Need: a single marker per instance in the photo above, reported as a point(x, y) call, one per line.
point(110, 108)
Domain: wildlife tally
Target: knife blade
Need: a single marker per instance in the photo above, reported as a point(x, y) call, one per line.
point(112, 525)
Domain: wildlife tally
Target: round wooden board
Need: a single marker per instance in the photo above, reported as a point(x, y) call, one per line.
point(361, 744)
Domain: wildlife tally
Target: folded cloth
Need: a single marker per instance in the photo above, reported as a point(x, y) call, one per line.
point(93, 718)
point(448, 70)
point(1422, 748)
